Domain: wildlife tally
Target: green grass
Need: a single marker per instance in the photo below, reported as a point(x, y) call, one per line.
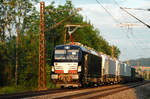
point(18, 89)
point(14, 89)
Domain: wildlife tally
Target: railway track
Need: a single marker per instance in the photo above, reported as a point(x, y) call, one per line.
point(36, 93)
point(99, 92)
point(81, 93)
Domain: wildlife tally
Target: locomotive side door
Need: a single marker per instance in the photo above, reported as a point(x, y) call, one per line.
point(86, 69)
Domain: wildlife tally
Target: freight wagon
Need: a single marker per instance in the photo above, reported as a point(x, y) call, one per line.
point(77, 65)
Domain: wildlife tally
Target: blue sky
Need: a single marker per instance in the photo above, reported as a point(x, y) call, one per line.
point(133, 41)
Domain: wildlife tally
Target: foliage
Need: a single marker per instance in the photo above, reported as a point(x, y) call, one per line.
point(48, 80)
point(16, 18)
point(86, 35)
point(20, 19)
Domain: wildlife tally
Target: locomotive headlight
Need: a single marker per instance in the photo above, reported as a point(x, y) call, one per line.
point(54, 76)
point(53, 69)
point(79, 68)
point(67, 47)
point(75, 76)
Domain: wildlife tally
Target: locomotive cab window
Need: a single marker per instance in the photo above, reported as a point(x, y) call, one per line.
point(72, 54)
point(66, 54)
point(60, 54)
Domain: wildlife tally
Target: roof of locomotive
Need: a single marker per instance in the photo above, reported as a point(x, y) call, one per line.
point(67, 46)
point(83, 48)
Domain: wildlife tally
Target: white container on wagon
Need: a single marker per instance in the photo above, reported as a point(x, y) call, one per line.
point(117, 68)
point(127, 70)
point(122, 69)
point(105, 64)
point(112, 68)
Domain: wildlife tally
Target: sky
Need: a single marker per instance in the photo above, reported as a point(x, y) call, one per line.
point(133, 41)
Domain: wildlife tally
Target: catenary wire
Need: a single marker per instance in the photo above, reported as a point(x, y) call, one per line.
point(131, 32)
point(108, 12)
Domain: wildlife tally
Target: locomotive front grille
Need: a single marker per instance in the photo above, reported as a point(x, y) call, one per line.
point(65, 67)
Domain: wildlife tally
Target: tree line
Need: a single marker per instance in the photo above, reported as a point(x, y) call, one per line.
point(19, 33)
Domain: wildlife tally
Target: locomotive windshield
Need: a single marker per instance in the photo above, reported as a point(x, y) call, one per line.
point(66, 54)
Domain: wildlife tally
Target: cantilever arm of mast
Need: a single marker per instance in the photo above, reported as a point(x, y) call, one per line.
point(60, 22)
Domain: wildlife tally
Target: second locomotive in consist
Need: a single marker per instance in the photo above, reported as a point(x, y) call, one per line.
point(77, 65)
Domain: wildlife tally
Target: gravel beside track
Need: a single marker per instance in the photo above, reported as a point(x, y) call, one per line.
point(140, 92)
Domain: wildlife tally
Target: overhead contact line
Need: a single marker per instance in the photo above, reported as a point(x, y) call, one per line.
point(108, 12)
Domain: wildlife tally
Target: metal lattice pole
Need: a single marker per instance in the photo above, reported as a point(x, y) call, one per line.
point(42, 65)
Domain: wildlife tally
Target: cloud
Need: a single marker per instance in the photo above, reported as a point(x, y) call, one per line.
point(130, 41)
point(97, 15)
point(137, 3)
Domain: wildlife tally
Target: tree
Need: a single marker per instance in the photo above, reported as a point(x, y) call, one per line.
point(14, 17)
point(20, 34)
point(87, 35)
